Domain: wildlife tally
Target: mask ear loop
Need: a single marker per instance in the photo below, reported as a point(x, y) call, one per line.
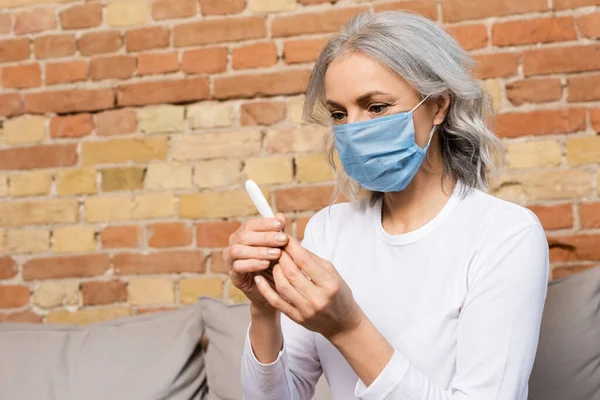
point(431, 135)
point(419, 105)
point(434, 127)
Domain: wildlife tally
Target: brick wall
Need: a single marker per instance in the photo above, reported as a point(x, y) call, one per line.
point(128, 128)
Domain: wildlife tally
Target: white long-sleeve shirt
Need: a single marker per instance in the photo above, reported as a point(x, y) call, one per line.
point(460, 299)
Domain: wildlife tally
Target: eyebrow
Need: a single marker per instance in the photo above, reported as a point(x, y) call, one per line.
point(361, 100)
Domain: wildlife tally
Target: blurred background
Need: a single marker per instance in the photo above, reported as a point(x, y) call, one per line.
point(127, 129)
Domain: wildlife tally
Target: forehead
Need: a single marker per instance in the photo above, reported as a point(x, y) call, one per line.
point(352, 75)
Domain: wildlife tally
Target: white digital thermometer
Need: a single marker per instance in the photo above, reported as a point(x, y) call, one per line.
point(261, 204)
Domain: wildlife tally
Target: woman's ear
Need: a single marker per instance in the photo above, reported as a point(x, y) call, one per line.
point(443, 106)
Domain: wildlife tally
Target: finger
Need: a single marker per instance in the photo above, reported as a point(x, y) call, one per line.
point(275, 299)
point(268, 275)
point(250, 265)
point(281, 217)
point(236, 278)
point(241, 252)
point(289, 292)
point(313, 266)
point(266, 239)
point(296, 277)
point(262, 225)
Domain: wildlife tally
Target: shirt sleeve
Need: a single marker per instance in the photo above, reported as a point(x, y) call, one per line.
point(498, 328)
point(297, 369)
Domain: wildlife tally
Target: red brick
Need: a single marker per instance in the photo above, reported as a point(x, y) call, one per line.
point(66, 267)
point(575, 248)
point(113, 67)
point(537, 30)
point(167, 9)
point(496, 65)
point(121, 237)
point(54, 46)
point(584, 88)
point(21, 317)
point(5, 23)
point(470, 37)
point(14, 50)
point(66, 72)
point(215, 234)
point(10, 104)
point(166, 262)
point(174, 91)
point(272, 84)
point(427, 8)
point(217, 264)
point(169, 234)
point(205, 61)
point(540, 122)
point(40, 156)
point(558, 253)
point(561, 59)
point(116, 122)
point(458, 10)
point(554, 217)
point(147, 38)
point(13, 296)
point(22, 76)
point(262, 113)
point(589, 214)
point(36, 20)
point(103, 292)
point(303, 198)
point(219, 30)
point(100, 43)
point(71, 126)
point(563, 272)
point(8, 268)
point(302, 50)
point(254, 55)
point(566, 4)
point(589, 25)
point(81, 16)
point(322, 22)
point(534, 91)
point(301, 227)
point(212, 7)
point(594, 119)
point(156, 63)
point(68, 101)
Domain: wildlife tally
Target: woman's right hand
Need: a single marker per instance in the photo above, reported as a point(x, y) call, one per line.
point(252, 249)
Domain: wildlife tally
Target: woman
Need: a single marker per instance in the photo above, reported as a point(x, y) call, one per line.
point(423, 287)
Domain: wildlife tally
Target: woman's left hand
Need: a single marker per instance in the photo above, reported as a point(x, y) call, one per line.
point(312, 293)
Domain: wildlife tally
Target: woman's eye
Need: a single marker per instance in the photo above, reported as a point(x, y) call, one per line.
point(378, 108)
point(338, 116)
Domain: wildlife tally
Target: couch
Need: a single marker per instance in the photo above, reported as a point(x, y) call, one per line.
point(162, 355)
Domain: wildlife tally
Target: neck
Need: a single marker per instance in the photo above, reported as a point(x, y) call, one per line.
point(420, 202)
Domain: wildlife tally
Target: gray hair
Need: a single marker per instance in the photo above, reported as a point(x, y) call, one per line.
point(433, 63)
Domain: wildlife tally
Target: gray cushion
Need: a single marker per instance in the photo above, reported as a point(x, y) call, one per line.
point(226, 328)
point(567, 364)
point(146, 357)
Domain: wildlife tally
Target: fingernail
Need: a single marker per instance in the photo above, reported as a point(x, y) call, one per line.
point(276, 224)
point(281, 237)
point(265, 262)
point(257, 279)
point(274, 251)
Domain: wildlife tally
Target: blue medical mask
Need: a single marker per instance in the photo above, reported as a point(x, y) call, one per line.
point(381, 154)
